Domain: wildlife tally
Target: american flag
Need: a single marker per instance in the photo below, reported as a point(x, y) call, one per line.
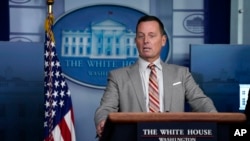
point(59, 116)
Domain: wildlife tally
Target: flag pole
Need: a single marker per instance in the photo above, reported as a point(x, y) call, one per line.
point(50, 19)
point(50, 6)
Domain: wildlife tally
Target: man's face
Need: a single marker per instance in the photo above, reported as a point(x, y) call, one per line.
point(149, 40)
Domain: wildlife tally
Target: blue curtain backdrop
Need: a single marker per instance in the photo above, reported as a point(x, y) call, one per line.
point(217, 21)
point(5, 20)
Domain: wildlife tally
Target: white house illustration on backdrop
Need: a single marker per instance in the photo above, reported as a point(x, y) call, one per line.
point(106, 39)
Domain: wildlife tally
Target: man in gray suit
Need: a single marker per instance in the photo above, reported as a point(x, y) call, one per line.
point(128, 87)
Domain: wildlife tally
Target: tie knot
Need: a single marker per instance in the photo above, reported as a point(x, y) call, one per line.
point(151, 66)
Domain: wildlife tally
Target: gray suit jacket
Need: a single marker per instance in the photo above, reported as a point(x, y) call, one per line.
point(124, 92)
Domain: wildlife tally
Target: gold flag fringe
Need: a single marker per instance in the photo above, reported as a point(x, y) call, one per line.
point(48, 25)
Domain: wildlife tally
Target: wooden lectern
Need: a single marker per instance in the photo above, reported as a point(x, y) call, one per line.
point(125, 126)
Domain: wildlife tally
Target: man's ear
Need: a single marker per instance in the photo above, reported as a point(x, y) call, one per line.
point(164, 40)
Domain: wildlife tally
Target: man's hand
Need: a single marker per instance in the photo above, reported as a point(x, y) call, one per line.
point(99, 128)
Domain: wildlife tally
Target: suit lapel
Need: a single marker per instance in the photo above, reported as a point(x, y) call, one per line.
point(167, 87)
point(137, 85)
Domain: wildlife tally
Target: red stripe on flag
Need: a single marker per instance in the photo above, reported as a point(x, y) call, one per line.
point(65, 132)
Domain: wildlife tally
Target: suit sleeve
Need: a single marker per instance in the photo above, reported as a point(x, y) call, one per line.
point(109, 101)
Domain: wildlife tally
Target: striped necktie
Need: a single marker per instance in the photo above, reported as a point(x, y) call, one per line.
point(153, 90)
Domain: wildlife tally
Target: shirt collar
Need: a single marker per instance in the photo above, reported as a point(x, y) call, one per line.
point(143, 64)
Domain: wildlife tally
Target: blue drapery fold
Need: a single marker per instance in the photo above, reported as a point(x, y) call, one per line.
point(4, 20)
point(247, 109)
point(217, 21)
